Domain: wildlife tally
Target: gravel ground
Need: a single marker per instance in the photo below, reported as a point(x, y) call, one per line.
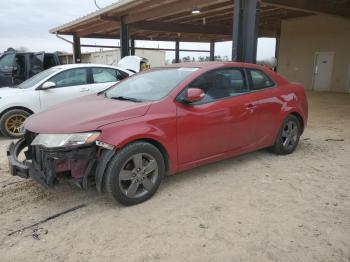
point(256, 207)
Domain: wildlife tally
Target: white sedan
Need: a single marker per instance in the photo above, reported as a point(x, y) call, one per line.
point(50, 87)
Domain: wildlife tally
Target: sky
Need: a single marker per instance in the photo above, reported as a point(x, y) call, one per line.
point(26, 23)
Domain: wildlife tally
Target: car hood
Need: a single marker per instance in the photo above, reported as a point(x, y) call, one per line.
point(8, 91)
point(84, 114)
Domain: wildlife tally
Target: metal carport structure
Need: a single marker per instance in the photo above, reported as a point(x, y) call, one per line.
point(241, 21)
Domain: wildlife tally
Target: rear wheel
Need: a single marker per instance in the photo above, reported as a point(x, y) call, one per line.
point(288, 136)
point(11, 123)
point(135, 173)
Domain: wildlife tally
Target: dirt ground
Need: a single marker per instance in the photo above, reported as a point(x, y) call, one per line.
point(257, 207)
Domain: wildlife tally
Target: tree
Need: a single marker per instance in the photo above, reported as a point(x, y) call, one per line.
point(186, 59)
point(22, 49)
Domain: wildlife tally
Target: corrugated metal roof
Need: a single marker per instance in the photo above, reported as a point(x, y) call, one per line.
point(95, 14)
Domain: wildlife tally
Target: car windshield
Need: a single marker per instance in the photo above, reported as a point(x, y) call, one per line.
point(152, 85)
point(37, 78)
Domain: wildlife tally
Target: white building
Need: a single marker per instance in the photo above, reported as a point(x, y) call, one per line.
point(112, 57)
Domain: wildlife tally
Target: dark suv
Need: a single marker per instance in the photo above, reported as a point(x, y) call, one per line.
point(16, 67)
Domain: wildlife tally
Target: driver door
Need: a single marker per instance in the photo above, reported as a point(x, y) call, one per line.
point(219, 123)
point(70, 84)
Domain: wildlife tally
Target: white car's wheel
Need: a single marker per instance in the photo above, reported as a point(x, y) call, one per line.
point(11, 123)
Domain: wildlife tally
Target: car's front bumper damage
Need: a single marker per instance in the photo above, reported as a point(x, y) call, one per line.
point(48, 166)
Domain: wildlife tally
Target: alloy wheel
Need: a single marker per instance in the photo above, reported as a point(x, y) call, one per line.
point(138, 175)
point(14, 124)
point(290, 135)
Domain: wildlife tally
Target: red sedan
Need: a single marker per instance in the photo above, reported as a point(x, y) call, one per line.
point(160, 122)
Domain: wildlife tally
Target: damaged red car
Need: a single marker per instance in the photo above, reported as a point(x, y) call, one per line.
point(161, 122)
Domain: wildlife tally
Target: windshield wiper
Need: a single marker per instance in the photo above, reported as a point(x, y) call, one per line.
point(126, 99)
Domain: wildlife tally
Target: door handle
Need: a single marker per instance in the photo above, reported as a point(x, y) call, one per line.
point(84, 89)
point(250, 106)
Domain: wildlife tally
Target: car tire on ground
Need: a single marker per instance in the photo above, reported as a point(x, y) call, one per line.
point(288, 136)
point(135, 173)
point(11, 123)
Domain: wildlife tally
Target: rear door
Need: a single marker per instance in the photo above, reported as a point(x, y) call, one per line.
point(36, 63)
point(104, 77)
point(266, 105)
point(70, 84)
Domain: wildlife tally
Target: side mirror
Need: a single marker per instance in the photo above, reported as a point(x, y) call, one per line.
point(194, 95)
point(48, 85)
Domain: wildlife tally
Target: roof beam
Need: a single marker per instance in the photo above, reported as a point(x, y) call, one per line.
point(335, 7)
point(185, 38)
point(204, 11)
point(168, 9)
point(97, 28)
point(109, 18)
point(182, 28)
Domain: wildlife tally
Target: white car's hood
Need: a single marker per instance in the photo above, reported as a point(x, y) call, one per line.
point(9, 91)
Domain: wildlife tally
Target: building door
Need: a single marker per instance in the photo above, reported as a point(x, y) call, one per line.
point(323, 71)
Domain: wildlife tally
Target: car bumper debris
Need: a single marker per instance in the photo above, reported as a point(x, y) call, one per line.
point(49, 166)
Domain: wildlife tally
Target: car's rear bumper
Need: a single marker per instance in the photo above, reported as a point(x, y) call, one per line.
point(43, 165)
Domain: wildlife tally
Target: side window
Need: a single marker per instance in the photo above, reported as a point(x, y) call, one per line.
point(104, 75)
point(49, 61)
point(222, 83)
point(71, 77)
point(7, 63)
point(259, 80)
point(36, 64)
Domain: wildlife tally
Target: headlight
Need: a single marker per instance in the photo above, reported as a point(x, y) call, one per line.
point(61, 140)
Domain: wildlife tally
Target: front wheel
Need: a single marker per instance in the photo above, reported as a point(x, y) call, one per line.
point(135, 173)
point(288, 136)
point(11, 123)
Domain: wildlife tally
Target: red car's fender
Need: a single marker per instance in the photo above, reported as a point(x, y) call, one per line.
point(159, 129)
point(295, 102)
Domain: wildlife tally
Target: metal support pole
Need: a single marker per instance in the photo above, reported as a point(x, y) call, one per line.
point(124, 38)
point(177, 51)
point(236, 34)
point(245, 30)
point(277, 50)
point(76, 50)
point(277, 47)
point(132, 46)
point(212, 50)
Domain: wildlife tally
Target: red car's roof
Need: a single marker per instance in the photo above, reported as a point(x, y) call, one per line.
point(212, 64)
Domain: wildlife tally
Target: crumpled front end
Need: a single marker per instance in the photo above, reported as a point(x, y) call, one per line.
point(49, 165)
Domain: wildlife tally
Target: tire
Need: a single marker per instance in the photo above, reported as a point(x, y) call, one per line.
point(135, 173)
point(11, 122)
point(288, 136)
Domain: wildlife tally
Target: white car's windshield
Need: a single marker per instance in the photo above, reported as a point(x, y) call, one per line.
point(152, 85)
point(37, 78)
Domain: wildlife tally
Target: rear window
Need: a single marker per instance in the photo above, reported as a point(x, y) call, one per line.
point(104, 75)
point(259, 80)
